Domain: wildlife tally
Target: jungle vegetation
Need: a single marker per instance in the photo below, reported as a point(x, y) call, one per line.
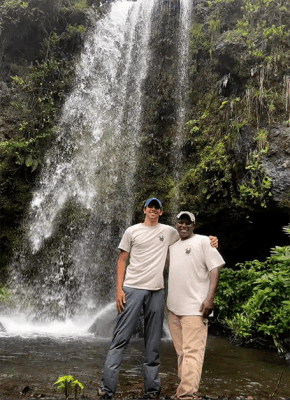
point(252, 303)
point(240, 88)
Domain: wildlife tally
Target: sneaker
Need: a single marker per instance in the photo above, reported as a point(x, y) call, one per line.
point(103, 395)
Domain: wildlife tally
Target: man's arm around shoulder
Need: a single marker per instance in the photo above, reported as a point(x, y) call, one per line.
point(121, 268)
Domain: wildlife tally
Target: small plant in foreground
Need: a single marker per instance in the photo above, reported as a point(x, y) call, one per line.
point(68, 384)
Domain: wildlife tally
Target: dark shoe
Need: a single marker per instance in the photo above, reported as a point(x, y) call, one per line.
point(151, 396)
point(103, 395)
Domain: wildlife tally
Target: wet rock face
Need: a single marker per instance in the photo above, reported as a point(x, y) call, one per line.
point(225, 51)
point(277, 161)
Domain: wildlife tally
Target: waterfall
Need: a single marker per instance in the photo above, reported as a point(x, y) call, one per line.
point(182, 90)
point(84, 198)
point(183, 64)
point(85, 195)
point(96, 146)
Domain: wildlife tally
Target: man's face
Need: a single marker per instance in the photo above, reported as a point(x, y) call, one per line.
point(153, 210)
point(184, 227)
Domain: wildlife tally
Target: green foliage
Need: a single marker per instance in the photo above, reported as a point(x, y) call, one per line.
point(71, 5)
point(253, 300)
point(223, 1)
point(208, 184)
point(198, 39)
point(67, 384)
point(22, 152)
point(15, 4)
point(256, 184)
point(81, 4)
point(262, 141)
point(215, 177)
point(37, 89)
point(43, 87)
point(214, 27)
point(263, 19)
point(19, 160)
point(209, 178)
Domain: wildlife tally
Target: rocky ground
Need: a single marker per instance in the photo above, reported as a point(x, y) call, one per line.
point(18, 390)
point(13, 391)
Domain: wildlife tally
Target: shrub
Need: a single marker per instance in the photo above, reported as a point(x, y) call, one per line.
point(253, 300)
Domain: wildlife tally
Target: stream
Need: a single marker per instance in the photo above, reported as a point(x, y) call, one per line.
point(35, 356)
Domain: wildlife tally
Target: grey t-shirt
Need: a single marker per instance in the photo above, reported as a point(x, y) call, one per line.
point(148, 246)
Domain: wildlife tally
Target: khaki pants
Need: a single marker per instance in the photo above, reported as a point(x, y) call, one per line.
point(189, 334)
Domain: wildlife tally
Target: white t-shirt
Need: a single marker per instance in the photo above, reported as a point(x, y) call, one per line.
point(191, 260)
point(148, 246)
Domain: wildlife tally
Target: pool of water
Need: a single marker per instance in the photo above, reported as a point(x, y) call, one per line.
point(36, 359)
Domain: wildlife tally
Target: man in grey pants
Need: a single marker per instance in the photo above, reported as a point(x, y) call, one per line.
point(141, 290)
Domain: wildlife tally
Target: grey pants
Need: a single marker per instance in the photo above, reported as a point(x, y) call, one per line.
point(152, 304)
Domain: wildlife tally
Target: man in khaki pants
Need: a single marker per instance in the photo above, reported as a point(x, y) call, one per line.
point(192, 283)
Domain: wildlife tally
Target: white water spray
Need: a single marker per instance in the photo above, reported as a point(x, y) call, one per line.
point(95, 149)
point(183, 63)
point(182, 90)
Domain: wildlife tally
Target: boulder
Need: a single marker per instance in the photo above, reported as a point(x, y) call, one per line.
point(104, 325)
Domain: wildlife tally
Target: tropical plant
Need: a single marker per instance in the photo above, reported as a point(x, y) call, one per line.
point(68, 384)
point(253, 300)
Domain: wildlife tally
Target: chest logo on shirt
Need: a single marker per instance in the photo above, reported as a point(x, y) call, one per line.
point(188, 249)
point(161, 238)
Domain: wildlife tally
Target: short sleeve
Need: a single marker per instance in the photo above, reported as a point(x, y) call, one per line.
point(213, 259)
point(174, 236)
point(126, 242)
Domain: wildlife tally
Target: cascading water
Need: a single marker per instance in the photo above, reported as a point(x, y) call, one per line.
point(99, 126)
point(182, 91)
point(85, 196)
point(183, 63)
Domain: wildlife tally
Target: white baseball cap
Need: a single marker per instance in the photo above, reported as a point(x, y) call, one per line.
point(189, 214)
